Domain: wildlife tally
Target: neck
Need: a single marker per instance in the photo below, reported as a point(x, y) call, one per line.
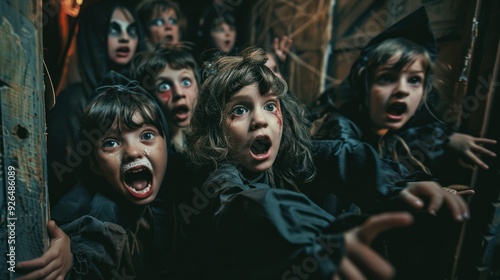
point(178, 138)
point(380, 131)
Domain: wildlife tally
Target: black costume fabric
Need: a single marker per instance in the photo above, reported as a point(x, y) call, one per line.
point(112, 238)
point(239, 228)
point(65, 151)
point(244, 229)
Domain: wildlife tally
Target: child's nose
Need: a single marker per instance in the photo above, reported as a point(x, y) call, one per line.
point(259, 120)
point(179, 91)
point(133, 151)
point(124, 37)
point(402, 89)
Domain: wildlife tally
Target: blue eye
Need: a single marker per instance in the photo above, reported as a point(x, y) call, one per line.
point(164, 87)
point(157, 22)
point(148, 136)
point(271, 107)
point(110, 143)
point(172, 21)
point(186, 82)
point(239, 110)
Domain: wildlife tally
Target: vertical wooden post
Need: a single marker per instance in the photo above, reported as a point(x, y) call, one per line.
point(23, 169)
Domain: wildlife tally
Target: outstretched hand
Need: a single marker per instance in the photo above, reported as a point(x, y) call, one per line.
point(361, 262)
point(416, 192)
point(282, 47)
point(470, 148)
point(55, 262)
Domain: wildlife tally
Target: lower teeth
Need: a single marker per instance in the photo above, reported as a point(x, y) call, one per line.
point(143, 191)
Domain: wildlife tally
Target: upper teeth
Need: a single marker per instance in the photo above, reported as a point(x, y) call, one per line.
point(130, 165)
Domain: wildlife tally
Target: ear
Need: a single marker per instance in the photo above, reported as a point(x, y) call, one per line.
point(95, 167)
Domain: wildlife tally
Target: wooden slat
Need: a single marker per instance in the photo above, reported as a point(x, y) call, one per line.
point(23, 142)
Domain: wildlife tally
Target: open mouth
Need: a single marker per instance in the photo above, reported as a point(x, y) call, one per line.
point(397, 109)
point(123, 51)
point(169, 39)
point(139, 181)
point(261, 146)
point(181, 112)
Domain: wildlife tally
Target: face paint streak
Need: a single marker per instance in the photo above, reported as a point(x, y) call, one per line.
point(279, 116)
point(166, 96)
point(146, 152)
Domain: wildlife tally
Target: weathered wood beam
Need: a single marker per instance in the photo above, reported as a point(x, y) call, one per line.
point(23, 195)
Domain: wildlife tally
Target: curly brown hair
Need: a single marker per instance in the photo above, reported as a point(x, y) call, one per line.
point(207, 142)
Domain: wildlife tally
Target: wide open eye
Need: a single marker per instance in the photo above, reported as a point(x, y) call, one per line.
point(172, 21)
point(164, 86)
point(186, 82)
point(110, 143)
point(132, 31)
point(271, 107)
point(148, 136)
point(157, 22)
point(239, 110)
point(415, 80)
point(114, 29)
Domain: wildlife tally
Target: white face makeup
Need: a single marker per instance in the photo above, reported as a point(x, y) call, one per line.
point(122, 37)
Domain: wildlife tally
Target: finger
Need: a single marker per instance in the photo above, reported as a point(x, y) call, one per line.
point(413, 200)
point(382, 222)
point(466, 193)
point(483, 150)
point(54, 275)
point(465, 165)
point(54, 231)
point(436, 198)
point(372, 265)
point(38, 274)
point(276, 43)
point(457, 206)
point(485, 141)
point(348, 270)
point(476, 160)
point(450, 190)
point(39, 262)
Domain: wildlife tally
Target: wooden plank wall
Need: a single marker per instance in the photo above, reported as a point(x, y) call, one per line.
point(479, 257)
point(308, 23)
point(23, 198)
point(356, 22)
